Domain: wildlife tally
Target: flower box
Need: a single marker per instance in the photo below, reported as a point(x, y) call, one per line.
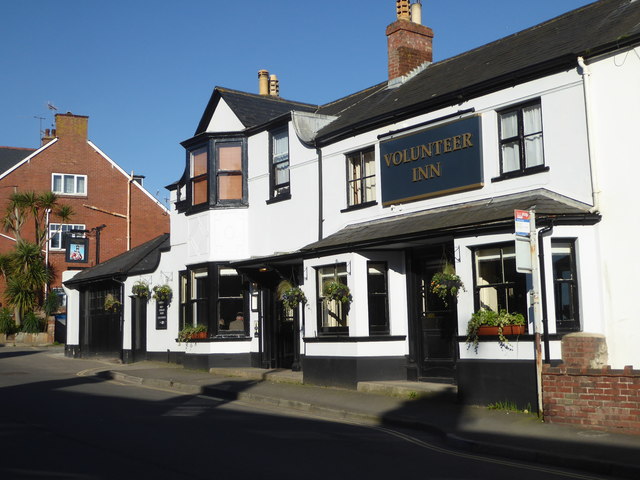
point(506, 330)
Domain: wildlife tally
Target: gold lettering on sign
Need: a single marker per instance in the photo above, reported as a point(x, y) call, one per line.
point(427, 172)
point(429, 150)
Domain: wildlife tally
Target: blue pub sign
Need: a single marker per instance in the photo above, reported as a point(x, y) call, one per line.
point(438, 161)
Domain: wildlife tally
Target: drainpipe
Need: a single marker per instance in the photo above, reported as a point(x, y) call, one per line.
point(591, 140)
point(320, 193)
point(129, 211)
point(543, 292)
point(46, 248)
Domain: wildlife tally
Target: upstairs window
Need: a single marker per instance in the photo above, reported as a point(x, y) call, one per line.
point(521, 139)
point(565, 285)
point(279, 167)
point(67, 184)
point(229, 172)
point(361, 178)
point(198, 168)
point(58, 231)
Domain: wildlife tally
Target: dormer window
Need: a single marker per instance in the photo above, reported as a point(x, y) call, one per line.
point(198, 165)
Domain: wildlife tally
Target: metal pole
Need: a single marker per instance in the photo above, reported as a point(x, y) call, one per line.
point(535, 301)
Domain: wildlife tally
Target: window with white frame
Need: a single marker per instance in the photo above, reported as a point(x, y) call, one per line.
point(57, 232)
point(68, 184)
point(361, 177)
point(521, 147)
point(333, 315)
point(280, 185)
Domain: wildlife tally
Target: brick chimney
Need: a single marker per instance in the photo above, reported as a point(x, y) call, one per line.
point(69, 125)
point(410, 44)
point(48, 135)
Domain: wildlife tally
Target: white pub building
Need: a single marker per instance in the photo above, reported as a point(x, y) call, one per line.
point(380, 191)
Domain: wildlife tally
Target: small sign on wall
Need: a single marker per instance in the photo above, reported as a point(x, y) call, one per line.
point(77, 250)
point(161, 315)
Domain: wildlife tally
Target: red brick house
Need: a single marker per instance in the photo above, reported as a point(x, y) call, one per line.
point(100, 192)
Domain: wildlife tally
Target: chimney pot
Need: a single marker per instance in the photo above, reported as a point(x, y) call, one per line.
point(263, 82)
point(403, 9)
point(274, 86)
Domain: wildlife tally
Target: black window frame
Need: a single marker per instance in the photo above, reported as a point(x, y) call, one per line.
point(571, 324)
point(198, 178)
point(184, 202)
point(377, 328)
point(359, 156)
point(282, 191)
point(343, 309)
point(243, 298)
point(520, 140)
point(503, 286)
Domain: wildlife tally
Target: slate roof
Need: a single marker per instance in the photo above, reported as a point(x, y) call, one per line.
point(402, 228)
point(9, 156)
point(549, 46)
point(137, 261)
point(251, 109)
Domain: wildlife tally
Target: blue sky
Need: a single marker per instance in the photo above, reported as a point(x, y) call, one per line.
point(143, 70)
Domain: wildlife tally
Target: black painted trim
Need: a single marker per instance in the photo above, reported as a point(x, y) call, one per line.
point(359, 206)
point(521, 173)
point(279, 198)
point(345, 339)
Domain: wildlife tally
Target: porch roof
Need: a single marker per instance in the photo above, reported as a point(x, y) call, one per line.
point(139, 260)
point(471, 217)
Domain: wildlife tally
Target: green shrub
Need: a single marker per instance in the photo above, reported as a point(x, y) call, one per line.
point(7, 325)
point(32, 324)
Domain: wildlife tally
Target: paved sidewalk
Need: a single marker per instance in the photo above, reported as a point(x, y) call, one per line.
point(429, 407)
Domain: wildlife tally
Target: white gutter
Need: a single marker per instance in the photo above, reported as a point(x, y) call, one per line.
point(591, 136)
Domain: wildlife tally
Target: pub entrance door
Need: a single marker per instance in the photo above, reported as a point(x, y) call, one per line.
point(434, 323)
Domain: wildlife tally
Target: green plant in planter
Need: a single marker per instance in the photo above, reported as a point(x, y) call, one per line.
point(140, 289)
point(112, 304)
point(190, 332)
point(337, 291)
point(489, 318)
point(446, 284)
point(293, 297)
point(162, 293)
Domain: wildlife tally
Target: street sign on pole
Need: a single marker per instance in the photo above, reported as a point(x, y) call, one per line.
point(523, 241)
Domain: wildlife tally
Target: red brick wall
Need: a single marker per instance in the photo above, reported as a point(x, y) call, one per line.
point(576, 393)
point(602, 399)
point(106, 189)
point(409, 45)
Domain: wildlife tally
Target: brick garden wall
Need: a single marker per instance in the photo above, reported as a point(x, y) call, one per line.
point(576, 393)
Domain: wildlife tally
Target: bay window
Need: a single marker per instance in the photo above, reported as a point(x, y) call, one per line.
point(229, 172)
point(199, 167)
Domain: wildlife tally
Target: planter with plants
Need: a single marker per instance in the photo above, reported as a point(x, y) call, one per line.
point(141, 290)
point(337, 291)
point(488, 322)
point(162, 293)
point(446, 284)
point(190, 332)
point(112, 304)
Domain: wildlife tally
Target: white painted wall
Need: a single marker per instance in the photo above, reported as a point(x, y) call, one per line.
point(614, 96)
point(224, 120)
point(73, 309)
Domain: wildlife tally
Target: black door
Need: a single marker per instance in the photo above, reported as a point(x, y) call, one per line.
point(434, 322)
point(139, 328)
point(285, 336)
point(100, 329)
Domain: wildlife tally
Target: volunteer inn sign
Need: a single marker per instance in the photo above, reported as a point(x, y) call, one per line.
point(438, 161)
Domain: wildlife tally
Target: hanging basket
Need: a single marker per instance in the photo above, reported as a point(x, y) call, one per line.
point(337, 291)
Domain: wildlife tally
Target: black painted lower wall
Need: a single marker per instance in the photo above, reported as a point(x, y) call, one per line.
point(481, 382)
point(168, 357)
point(72, 351)
point(216, 360)
point(346, 372)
